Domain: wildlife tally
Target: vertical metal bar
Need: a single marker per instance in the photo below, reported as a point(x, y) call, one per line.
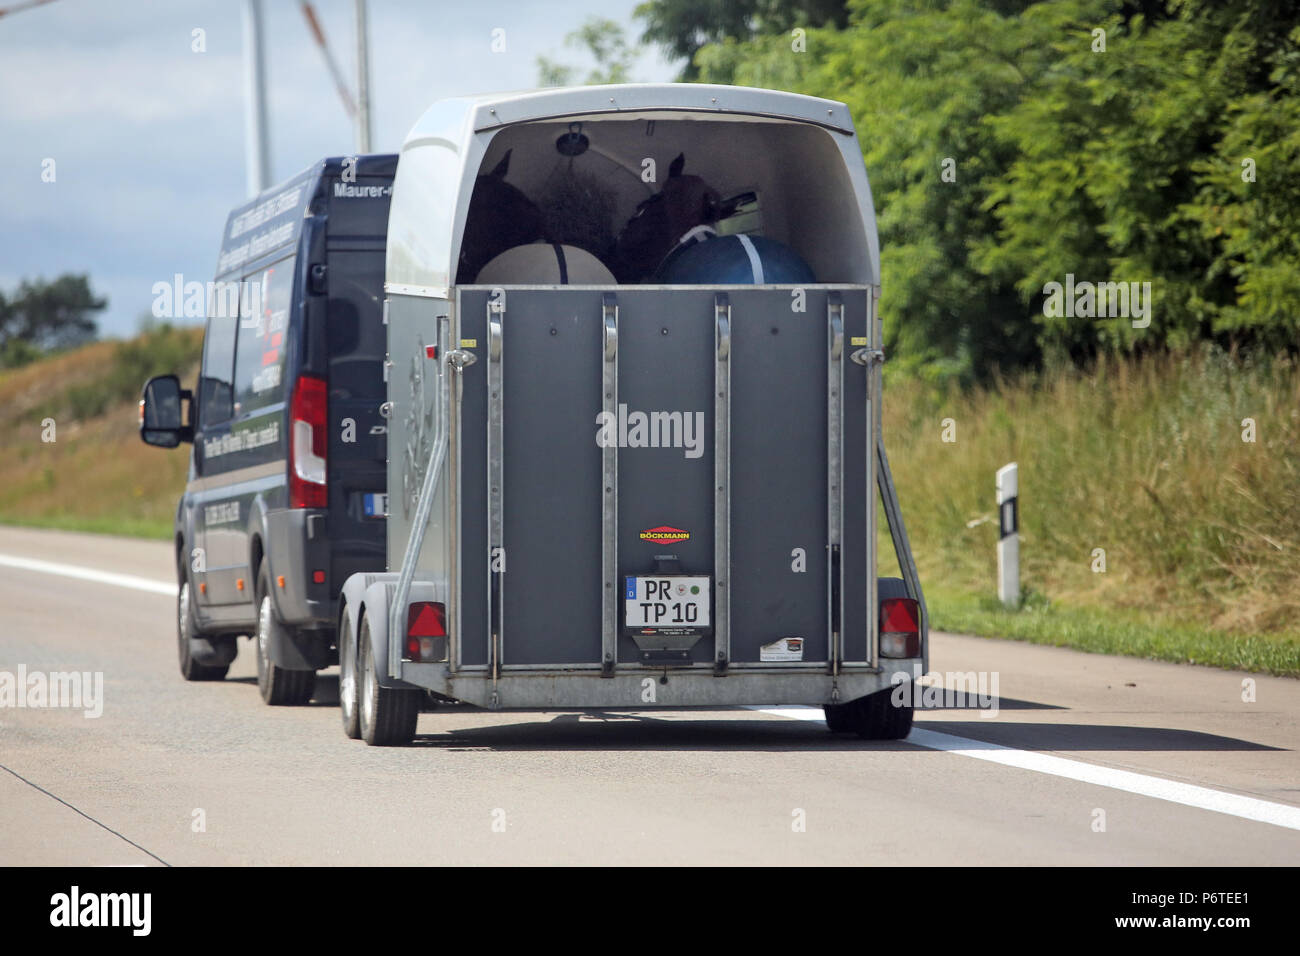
point(257, 140)
point(495, 475)
point(453, 515)
point(363, 79)
point(834, 479)
point(873, 438)
point(722, 482)
point(903, 549)
point(610, 591)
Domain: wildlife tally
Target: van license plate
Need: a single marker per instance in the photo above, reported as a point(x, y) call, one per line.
point(376, 506)
point(668, 603)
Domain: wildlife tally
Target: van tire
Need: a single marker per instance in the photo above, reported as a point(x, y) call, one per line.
point(388, 715)
point(349, 705)
point(191, 669)
point(277, 685)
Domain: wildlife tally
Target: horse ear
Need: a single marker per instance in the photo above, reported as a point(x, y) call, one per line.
point(677, 166)
point(502, 167)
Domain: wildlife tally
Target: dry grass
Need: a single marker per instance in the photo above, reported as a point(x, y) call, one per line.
point(1144, 459)
point(96, 474)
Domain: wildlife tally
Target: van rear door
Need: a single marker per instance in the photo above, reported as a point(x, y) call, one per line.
point(356, 346)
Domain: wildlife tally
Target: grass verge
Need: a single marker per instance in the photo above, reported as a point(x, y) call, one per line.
point(1099, 630)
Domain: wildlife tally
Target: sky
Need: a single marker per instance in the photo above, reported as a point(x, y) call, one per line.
point(147, 135)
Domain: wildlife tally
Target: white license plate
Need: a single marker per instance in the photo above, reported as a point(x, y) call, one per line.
point(376, 506)
point(667, 601)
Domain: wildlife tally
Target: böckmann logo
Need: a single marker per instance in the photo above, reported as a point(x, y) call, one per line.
point(665, 535)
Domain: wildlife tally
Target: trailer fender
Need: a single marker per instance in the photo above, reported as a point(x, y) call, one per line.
point(374, 605)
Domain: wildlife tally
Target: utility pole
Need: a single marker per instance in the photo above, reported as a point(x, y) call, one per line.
point(257, 144)
point(363, 80)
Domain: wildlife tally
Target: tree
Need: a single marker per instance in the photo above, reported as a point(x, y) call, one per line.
point(681, 28)
point(605, 41)
point(45, 315)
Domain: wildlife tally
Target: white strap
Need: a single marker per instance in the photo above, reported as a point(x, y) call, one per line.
point(754, 262)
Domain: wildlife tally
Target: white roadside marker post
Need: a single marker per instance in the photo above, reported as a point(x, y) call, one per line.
point(1008, 535)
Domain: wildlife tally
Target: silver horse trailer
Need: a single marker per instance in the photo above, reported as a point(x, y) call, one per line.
point(655, 490)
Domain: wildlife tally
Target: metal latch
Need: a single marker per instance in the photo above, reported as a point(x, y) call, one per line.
point(461, 358)
point(868, 356)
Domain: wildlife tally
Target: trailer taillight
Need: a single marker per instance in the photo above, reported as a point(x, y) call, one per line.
point(426, 626)
point(900, 629)
point(308, 441)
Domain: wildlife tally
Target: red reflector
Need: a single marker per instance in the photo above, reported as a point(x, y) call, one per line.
point(899, 616)
point(431, 351)
point(426, 619)
point(318, 577)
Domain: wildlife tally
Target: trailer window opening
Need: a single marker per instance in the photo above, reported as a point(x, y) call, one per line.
point(632, 189)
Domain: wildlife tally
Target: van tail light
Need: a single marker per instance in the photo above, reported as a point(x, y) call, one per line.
point(426, 631)
point(900, 628)
point(308, 440)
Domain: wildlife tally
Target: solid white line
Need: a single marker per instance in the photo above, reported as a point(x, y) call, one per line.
point(88, 574)
point(1189, 795)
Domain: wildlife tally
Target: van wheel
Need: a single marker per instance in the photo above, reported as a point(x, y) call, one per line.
point(388, 714)
point(278, 685)
point(874, 717)
point(348, 677)
point(185, 630)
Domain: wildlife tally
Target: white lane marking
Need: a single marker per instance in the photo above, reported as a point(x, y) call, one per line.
point(88, 574)
point(1189, 795)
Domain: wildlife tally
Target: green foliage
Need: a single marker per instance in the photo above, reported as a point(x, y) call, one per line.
point(605, 42)
point(1007, 149)
point(43, 315)
point(682, 28)
point(161, 350)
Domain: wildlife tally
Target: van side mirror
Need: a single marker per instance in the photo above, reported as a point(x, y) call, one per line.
point(161, 422)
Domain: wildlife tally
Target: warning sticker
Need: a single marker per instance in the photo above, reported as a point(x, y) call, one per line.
point(785, 649)
point(665, 535)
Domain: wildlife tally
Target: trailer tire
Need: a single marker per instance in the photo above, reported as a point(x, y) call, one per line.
point(349, 707)
point(277, 685)
point(388, 715)
point(839, 719)
point(873, 717)
point(191, 669)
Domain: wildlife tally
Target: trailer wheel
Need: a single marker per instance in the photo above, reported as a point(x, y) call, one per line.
point(388, 714)
point(277, 685)
point(839, 719)
point(348, 706)
point(191, 669)
point(874, 717)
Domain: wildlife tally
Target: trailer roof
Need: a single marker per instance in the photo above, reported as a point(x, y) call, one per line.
point(491, 110)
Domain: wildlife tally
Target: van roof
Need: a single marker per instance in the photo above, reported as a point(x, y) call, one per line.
point(273, 219)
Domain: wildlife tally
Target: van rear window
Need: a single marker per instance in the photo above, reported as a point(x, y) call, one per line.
point(357, 342)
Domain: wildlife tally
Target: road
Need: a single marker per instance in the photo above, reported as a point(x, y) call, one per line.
point(1089, 760)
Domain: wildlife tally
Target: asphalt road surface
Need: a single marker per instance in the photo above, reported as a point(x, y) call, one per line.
point(1089, 760)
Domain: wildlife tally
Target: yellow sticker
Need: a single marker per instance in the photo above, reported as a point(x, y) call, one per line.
point(469, 343)
point(857, 340)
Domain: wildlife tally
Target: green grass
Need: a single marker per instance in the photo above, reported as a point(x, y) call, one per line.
point(1101, 630)
point(123, 525)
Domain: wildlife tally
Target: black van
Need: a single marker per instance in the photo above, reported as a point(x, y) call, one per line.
point(286, 492)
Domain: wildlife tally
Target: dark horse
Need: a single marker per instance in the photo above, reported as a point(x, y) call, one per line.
point(500, 218)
